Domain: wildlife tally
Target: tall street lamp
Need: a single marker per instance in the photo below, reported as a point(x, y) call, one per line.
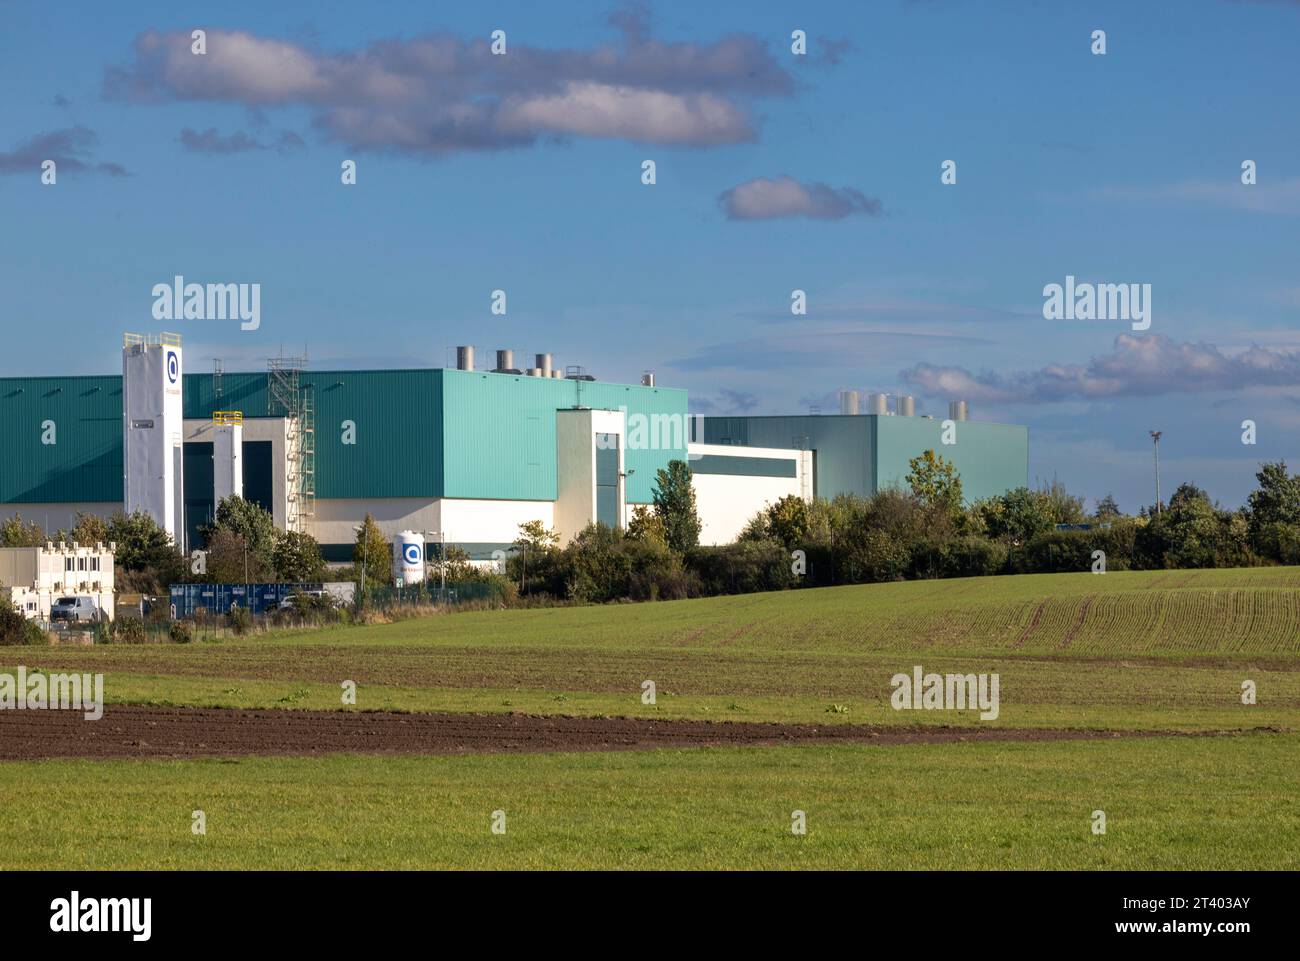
point(365, 551)
point(442, 561)
point(1155, 438)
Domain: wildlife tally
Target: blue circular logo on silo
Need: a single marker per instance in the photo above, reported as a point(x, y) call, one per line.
point(412, 553)
point(173, 366)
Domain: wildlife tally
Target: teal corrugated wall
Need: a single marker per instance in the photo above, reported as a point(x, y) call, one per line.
point(396, 414)
point(500, 432)
point(398, 432)
point(861, 454)
point(991, 458)
point(84, 463)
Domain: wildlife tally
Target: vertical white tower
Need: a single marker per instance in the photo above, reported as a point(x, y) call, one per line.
point(227, 455)
point(154, 430)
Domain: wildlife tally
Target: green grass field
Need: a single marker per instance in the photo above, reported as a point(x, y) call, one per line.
point(1162, 650)
point(1184, 803)
point(1122, 651)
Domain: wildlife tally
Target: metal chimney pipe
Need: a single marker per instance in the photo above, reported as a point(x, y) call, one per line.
point(544, 364)
point(957, 410)
point(648, 379)
point(505, 359)
point(464, 358)
point(878, 404)
point(906, 406)
point(850, 402)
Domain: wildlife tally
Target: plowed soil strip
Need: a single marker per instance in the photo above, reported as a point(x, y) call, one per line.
point(128, 731)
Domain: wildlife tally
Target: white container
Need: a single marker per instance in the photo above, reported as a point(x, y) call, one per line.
point(408, 557)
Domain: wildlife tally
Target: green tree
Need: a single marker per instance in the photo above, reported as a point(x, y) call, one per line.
point(674, 501)
point(787, 521)
point(372, 555)
point(90, 529)
point(1108, 508)
point(935, 483)
point(1274, 513)
point(229, 561)
point(646, 525)
point(1186, 494)
point(15, 533)
point(534, 559)
point(1017, 516)
point(297, 558)
point(1060, 505)
point(250, 521)
point(145, 554)
point(535, 536)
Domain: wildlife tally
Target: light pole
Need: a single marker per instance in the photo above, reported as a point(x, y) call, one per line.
point(623, 475)
point(365, 550)
point(1155, 438)
point(442, 562)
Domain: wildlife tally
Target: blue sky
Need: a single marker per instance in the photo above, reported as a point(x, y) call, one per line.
point(523, 173)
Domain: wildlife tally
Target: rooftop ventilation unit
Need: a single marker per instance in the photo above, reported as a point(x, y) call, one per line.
point(648, 379)
point(506, 362)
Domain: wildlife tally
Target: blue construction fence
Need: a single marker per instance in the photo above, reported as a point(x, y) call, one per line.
point(189, 599)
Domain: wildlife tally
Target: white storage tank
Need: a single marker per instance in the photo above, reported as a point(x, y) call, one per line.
point(408, 557)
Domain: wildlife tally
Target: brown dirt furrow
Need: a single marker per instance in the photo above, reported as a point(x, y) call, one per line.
point(128, 731)
point(1032, 625)
point(1078, 621)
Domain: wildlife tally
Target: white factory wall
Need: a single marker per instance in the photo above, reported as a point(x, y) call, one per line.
point(575, 466)
point(490, 522)
point(462, 521)
point(726, 502)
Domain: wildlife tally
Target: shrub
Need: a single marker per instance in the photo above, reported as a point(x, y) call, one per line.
point(240, 620)
point(17, 629)
point(182, 632)
point(972, 557)
point(127, 630)
point(741, 568)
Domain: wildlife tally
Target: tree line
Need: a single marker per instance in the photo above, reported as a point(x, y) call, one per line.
point(921, 529)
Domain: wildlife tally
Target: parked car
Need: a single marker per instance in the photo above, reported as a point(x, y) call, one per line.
point(309, 598)
point(79, 610)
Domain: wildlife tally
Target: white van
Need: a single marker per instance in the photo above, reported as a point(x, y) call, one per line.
point(76, 609)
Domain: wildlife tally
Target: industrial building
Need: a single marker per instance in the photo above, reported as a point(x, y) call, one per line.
point(863, 453)
point(461, 455)
point(33, 578)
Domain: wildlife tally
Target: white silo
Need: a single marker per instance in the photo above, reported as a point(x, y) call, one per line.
point(408, 557)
